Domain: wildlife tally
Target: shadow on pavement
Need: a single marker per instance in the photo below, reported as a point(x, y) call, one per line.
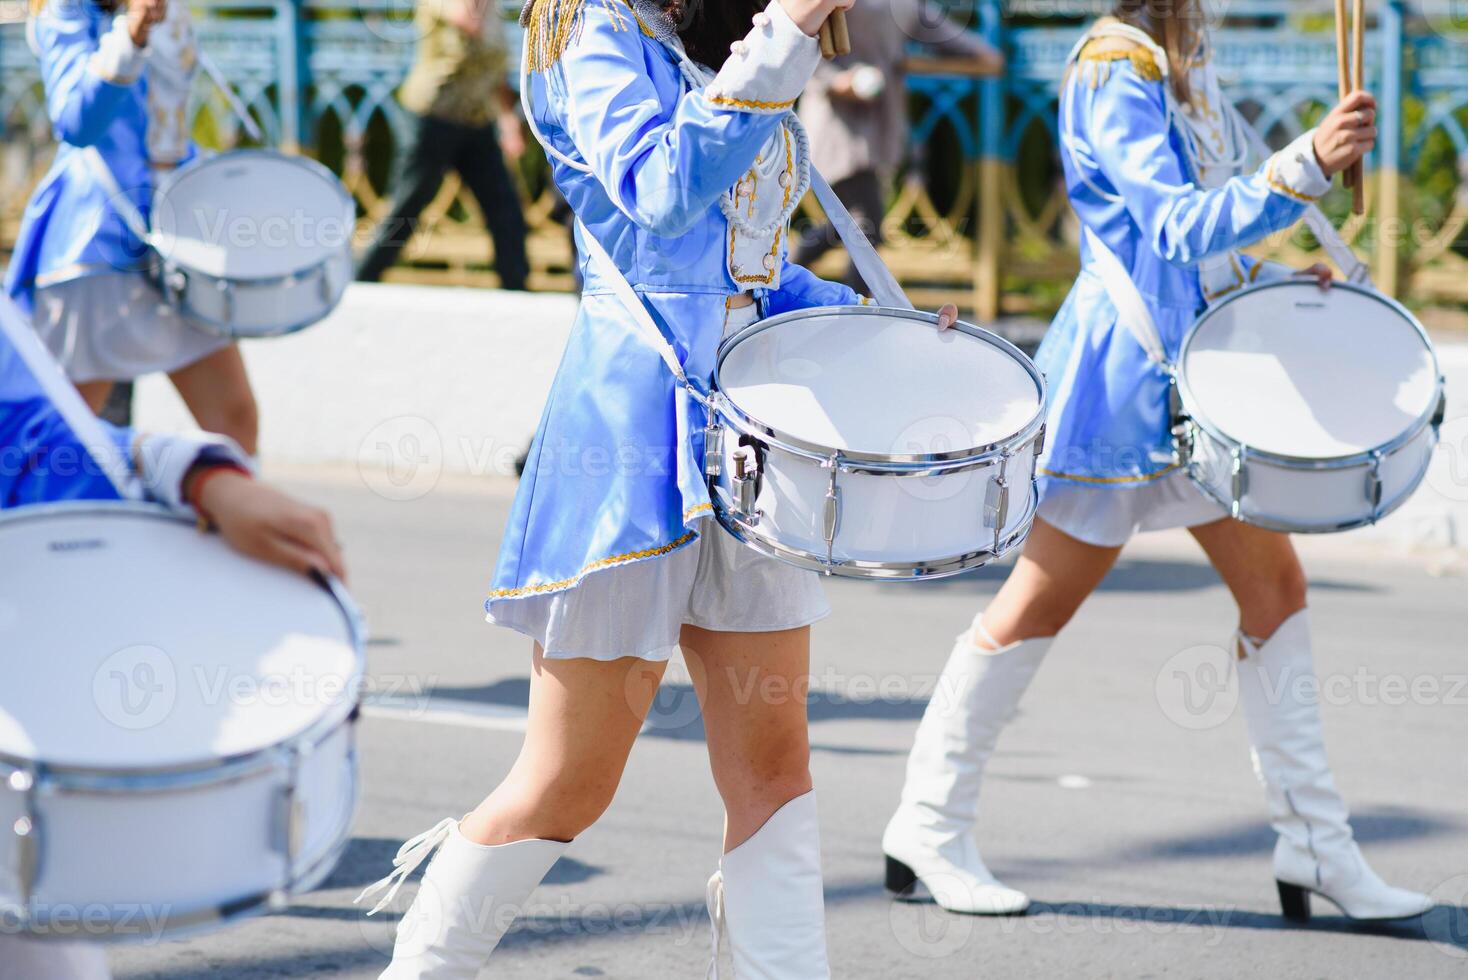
point(1374, 825)
point(368, 859)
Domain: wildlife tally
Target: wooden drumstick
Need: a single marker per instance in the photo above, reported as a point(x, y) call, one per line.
point(1343, 66)
point(833, 35)
point(1358, 79)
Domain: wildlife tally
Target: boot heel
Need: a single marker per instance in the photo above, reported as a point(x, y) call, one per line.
point(1294, 901)
point(900, 878)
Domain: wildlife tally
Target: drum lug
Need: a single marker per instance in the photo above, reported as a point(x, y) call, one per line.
point(175, 284)
point(1441, 412)
point(226, 295)
point(832, 522)
point(996, 502)
point(1374, 485)
point(745, 484)
point(1240, 483)
point(713, 449)
point(27, 833)
point(323, 280)
point(1040, 442)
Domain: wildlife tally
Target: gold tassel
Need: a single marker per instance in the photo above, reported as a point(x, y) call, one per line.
point(552, 25)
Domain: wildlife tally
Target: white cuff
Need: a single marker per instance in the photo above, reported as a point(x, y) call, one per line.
point(1295, 173)
point(1264, 270)
point(117, 59)
point(766, 71)
point(164, 460)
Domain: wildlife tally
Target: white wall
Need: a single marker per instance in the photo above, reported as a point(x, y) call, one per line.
point(400, 373)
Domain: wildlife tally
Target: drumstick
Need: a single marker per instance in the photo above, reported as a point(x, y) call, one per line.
point(1358, 60)
point(833, 35)
point(1343, 66)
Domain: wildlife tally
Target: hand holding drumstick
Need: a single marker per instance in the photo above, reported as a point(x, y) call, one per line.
point(1350, 75)
point(825, 19)
point(141, 16)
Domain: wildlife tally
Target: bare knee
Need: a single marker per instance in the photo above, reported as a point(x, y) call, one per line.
point(1278, 595)
point(545, 806)
point(1031, 622)
point(760, 783)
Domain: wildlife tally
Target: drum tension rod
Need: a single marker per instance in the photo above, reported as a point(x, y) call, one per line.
point(1240, 482)
point(833, 511)
point(1374, 485)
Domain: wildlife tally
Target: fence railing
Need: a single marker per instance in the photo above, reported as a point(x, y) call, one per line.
point(979, 209)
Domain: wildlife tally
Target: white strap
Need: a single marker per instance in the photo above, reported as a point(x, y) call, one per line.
point(233, 101)
point(67, 401)
point(714, 896)
point(635, 306)
point(119, 201)
point(414, 852)
point(869, 264)
point(1330, 239)
point(1131, 309)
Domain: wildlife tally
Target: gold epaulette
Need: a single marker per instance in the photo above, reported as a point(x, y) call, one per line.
point(1097, 57)
point(551, 26)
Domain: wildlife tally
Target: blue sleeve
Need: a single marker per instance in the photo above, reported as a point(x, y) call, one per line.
point(662, 168)
point(800, 288)
point(80, 102)
point(1128, 139)
point(41, 459)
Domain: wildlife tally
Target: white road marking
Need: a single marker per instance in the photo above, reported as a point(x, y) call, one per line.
point(447, 711)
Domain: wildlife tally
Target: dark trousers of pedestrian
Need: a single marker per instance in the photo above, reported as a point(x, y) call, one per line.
point(863, 196)
point(437, 147)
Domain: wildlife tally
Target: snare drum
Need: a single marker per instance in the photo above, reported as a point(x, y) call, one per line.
point(177, 744)
point(1305, 410)
point(860, 442)
point(253, 243)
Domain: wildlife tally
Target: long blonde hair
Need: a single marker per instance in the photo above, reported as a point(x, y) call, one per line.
point(1178, 26)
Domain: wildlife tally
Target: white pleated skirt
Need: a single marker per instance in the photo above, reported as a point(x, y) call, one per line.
point(116, 326)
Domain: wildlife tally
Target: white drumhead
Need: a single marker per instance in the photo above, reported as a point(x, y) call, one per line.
point(132, 641)
point(879, 383)
point(1292, 370)
point(252, 214)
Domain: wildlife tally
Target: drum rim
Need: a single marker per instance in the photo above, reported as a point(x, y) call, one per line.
point(314, 167)
point(883, 571)
point(1201, 420)
point(224, 767)
point(785, 440)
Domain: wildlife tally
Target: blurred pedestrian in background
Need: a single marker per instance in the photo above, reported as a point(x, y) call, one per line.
point(464, 119)
point(855, 109)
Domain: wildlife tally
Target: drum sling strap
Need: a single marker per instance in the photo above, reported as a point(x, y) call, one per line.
point(884, 286)
point(67, 401)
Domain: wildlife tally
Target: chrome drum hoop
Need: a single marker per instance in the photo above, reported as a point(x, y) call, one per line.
point(176, 277)
point(1192, 430)
point(872, 570)
point(34, 778)
point(878, 461)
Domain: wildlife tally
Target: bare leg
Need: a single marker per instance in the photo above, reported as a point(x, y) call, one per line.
point(1260, 568)
point(767, 893)
point(752, 688)
point(1054, 575)
point(584, 717)
point(217, 392)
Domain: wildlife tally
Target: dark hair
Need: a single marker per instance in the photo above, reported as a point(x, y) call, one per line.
point(708, 27)
point(1178, 26)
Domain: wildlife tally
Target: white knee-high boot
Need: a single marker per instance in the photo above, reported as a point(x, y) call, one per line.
point(1316, 851)
point(929, 840)
point(469, 896)
point(768, 896)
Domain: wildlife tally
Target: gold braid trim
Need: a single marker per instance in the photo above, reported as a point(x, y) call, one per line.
point(552, 25)
point(1102, 53)
point(600, 564)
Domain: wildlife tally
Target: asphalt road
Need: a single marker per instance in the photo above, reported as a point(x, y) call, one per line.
point(1122, 798)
